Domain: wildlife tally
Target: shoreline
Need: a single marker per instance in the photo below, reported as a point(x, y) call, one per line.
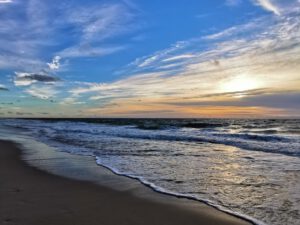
point(31, 196)
point(178, 196)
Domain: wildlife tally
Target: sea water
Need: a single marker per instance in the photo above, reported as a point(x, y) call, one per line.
point(249, 168)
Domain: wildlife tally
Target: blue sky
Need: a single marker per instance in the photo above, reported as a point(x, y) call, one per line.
point(138, 58)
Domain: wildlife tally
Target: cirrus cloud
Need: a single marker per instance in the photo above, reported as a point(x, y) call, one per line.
point(269, 5)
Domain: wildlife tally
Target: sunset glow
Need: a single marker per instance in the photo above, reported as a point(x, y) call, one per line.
point(79, 65)
point(240, 84)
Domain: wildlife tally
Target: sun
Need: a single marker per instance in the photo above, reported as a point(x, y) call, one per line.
point(240, 83)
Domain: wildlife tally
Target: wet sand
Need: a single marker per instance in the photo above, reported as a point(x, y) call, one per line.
point(29, 196)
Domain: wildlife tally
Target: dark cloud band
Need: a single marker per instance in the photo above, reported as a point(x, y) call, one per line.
point(25, 79)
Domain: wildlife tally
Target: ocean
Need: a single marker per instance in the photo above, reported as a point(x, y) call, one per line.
point(247, 167)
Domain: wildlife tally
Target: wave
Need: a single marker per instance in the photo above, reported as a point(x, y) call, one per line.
point(70, 132)
point(267, 143)
point(161, 190)
point(264, 138)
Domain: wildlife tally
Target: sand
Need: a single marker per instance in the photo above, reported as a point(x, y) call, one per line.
point(29, 196)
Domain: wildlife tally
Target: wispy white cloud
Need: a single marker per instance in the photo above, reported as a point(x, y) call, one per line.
point(242, 29)
point(100, 21)
point(42, 92)
point(150, 60)
point(71, 101)
point(18, 62)
point(35, 26)
point(88, 51)
point(241, 63)
point(24, 34)
point(5, 1)
point(178, 57)
point(269, 5)
point(95, 24)
point(259, 35)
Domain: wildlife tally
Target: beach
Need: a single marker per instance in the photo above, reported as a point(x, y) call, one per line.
point(150, 112)
point(30, 196)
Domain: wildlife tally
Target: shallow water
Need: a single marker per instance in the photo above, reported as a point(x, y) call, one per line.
point(248, 167)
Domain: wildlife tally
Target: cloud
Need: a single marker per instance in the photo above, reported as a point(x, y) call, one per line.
point(30, 28)
point(236, 93)
point(88, 51)
point(259, 59)
point(25, 32)
point(3, 88)
point(23, 113)
point(26, 79)
point(262, 34)
point(15, 61)
point(42, 92)
point(279, 100)
point(5, 1)
point(264, 50)
point(71, 101)
point(95, 24)
point(148, 61)
point(269, 6)
point(55, 64)
point(179, 57)
point(99, 21)
point(275, 100)
point(233, 31)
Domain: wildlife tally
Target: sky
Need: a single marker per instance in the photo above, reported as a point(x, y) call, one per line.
point(141, 58)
